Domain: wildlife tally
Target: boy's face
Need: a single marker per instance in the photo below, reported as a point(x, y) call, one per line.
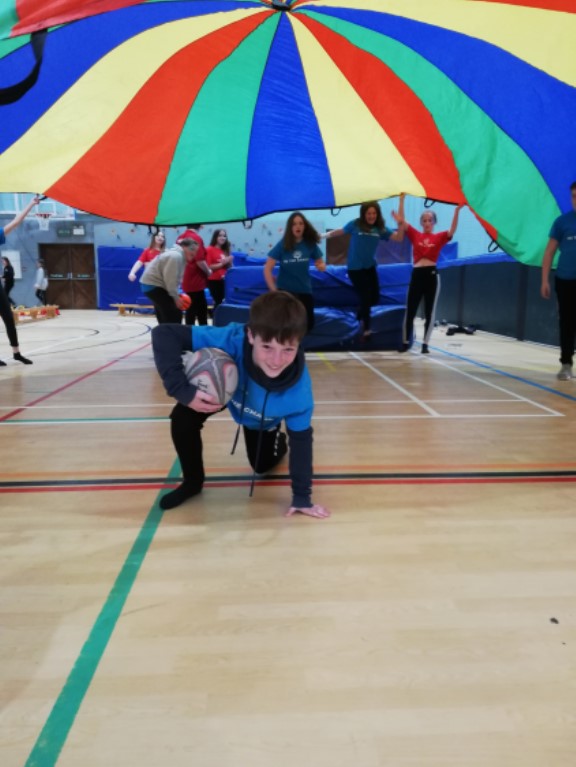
point(272, 357)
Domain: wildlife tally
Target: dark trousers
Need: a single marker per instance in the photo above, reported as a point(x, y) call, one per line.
point(164, 307)
point(566, 295)
point(308, 301)
point(216, 288)
point(41, 296)
point(8, 317)
point(366, 285)
point(186, 425)
point(424, 284)
point(198, 308)
point(7, 288)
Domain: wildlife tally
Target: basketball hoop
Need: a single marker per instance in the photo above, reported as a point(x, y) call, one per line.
point(43, 221)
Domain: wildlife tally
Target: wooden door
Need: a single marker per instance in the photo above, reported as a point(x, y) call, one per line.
point(71, 275)
point(337, 250)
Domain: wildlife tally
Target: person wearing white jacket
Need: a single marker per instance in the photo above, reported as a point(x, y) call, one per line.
point(41, 282)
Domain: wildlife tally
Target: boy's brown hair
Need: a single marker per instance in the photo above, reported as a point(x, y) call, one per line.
point(278, 316)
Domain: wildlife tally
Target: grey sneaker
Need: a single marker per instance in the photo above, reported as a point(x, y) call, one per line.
point(565, 373)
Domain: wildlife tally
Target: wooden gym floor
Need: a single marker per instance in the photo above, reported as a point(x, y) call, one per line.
point(430, 622)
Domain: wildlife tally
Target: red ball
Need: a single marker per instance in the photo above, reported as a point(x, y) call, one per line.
point(185, 300)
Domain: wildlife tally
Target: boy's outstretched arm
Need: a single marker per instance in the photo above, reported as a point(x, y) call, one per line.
point(169, 342)
point(300, 467)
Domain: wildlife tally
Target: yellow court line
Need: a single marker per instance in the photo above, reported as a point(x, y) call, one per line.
point(327, 362)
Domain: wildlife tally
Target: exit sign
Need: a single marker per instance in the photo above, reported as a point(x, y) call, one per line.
point(71, 230)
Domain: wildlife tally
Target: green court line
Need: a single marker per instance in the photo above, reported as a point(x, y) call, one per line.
point(52, 738)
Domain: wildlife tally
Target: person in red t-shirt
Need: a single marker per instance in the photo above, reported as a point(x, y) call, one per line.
point(219, 260)
point(157, 246)
point(195, 279)
point(425, 281)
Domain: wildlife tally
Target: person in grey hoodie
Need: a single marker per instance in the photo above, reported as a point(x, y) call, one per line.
point(162, 277)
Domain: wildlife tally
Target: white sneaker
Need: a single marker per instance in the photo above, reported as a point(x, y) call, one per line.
point(565, 373)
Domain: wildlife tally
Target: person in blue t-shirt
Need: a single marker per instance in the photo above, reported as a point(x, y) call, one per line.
point(5, 308)
point(365, 233)
point(563, 237)
point(273, 386)
point(293, 255)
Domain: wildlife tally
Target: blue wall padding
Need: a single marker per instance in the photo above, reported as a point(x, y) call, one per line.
point(335, 329)
point(243, 259)
point(114, 287)
point(485, 258)
point(336, 326)
point(243, 284)
point(391, 252)
point(449, 252)
point(331, 288)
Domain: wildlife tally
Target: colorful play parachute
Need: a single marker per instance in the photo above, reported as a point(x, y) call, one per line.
point(173, 111)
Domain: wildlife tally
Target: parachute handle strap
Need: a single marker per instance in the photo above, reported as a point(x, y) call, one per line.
point(15, 92)
point(493, 247)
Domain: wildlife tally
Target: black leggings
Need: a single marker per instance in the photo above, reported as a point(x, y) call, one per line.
point(7, 288)
point(365, 283)
point(186, 425)
point(198, 308)
point(164, 307)
point(8, 318)
point(424, 284)
point(41, 296)
point(566, 295)
point(216, 288)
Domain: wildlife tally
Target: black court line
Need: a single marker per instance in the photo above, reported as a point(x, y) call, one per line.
point(128, 483)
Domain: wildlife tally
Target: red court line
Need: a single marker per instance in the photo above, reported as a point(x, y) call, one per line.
point(286, 483)
point(13, 413)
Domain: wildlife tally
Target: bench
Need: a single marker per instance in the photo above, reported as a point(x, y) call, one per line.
point(35, 313)
point(124, 309)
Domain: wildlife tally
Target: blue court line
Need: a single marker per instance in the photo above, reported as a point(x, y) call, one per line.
point(54, 734)
point(506, 375)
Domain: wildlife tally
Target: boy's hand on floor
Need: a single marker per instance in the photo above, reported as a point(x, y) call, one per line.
point(312, 511)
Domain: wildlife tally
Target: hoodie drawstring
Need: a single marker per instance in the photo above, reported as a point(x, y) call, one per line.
point(259, 444)
point(235, 443)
